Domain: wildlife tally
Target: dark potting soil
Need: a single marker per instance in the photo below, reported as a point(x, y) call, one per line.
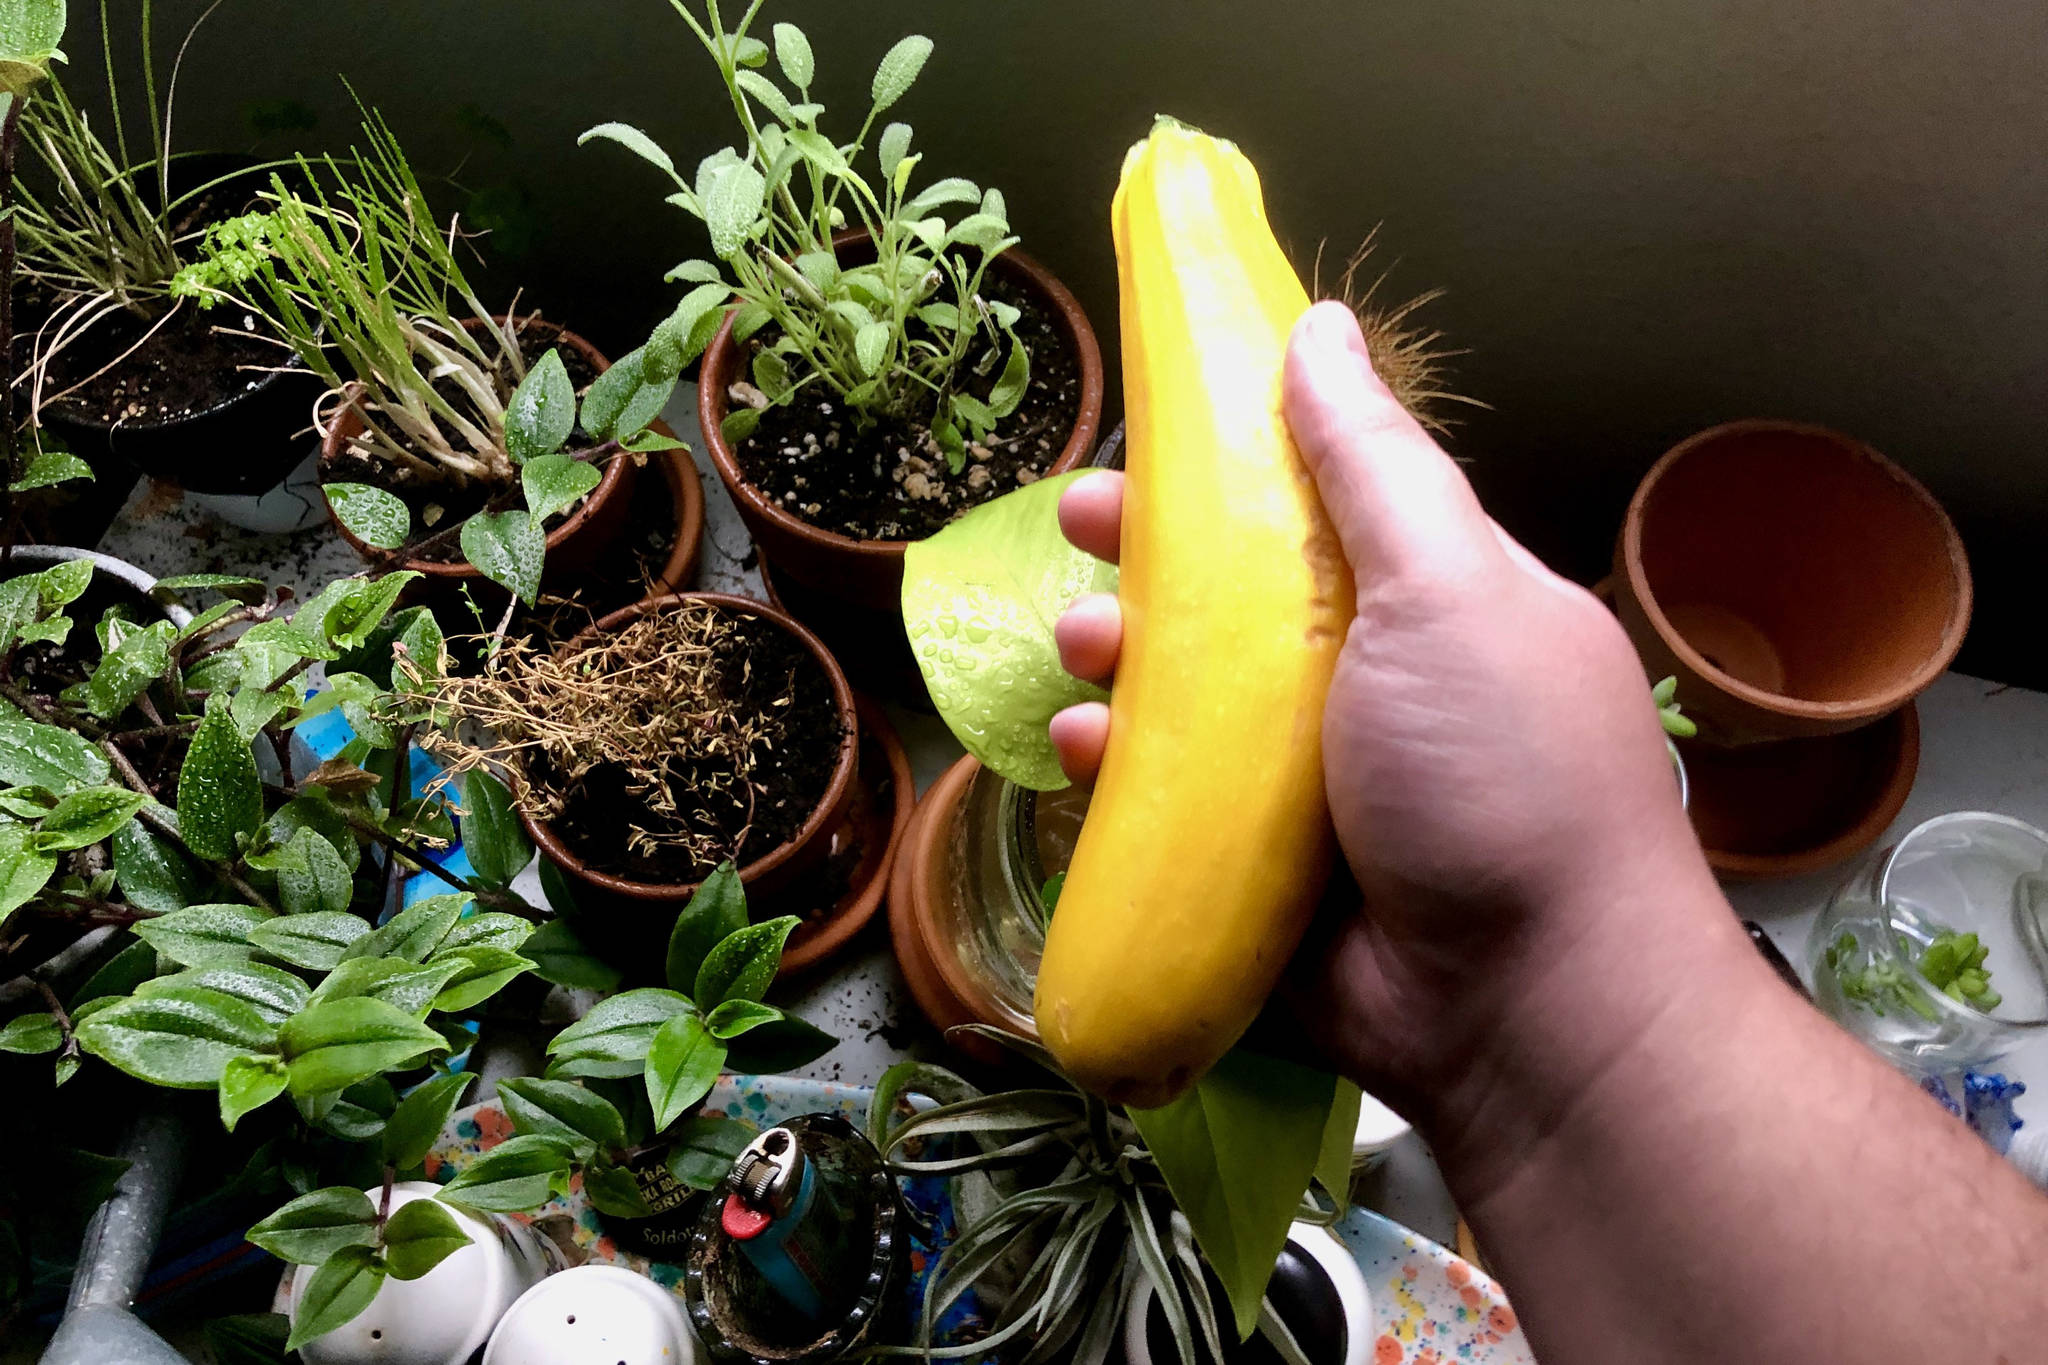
point(627, 577)
point(439, 504)
point(127, 374)
point(890, 481)
point(764, 671)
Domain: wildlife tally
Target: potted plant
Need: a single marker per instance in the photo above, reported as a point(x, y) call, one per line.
point(871, 367)
point(119, 369)
point(670, 737)
point(449, 433)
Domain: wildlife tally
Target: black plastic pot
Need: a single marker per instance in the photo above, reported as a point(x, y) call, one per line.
point(240, 446)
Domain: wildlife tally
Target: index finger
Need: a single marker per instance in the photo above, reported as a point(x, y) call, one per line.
point(1092, 513)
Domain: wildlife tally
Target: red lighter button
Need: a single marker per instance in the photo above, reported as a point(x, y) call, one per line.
point(741, 1223)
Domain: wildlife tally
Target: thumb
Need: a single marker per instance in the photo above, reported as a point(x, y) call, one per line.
point(1399, 504)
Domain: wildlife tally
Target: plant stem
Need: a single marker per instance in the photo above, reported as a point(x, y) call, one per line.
point(401, 774)
point(91, 729)
point(10, 132)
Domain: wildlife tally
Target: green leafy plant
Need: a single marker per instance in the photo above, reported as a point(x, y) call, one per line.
point(626, 1079)
point(1952, 963)
point(910, 335)
point(1091, 1201)
point(367, 287)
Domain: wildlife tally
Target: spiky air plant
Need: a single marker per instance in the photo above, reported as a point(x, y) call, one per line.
point(1407, 357)
point(1063, 1214)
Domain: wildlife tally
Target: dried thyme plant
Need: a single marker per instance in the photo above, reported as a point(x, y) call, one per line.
point(652, 706)
point(1408, 358)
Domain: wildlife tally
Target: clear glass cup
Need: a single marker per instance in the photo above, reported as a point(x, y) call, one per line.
point(1971, 872)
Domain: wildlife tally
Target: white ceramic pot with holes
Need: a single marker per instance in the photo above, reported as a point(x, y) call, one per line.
point(445, 1316)
point(1325, 1288)
point(590, 1314)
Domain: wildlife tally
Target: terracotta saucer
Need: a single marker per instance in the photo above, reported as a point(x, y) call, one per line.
point(863, 849)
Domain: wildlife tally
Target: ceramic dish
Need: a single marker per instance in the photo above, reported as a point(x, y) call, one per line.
point(1432, 1307)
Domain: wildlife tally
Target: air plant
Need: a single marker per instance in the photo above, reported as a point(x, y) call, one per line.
point(1063, 1214)
point(1408, 358)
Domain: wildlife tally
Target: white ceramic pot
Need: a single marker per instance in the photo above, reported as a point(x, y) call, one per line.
point(445, 1316)
point(1379, 1130)
point(594, 1313)
point(1321, 1246)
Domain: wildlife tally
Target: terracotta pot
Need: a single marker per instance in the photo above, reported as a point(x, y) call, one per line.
point(1794, 580)
point(576, 544)
point(927, 927)
point(869, 573)
point(1798, 806)
point(877, 818)
point(629, 920)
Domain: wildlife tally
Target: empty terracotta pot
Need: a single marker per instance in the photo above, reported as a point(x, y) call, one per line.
point(1797, 806)
point(1797, 582)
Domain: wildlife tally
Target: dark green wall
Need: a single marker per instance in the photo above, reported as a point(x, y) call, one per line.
point(1651, 217)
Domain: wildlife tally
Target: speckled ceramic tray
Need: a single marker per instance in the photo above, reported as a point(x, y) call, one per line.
point(1432, 1307)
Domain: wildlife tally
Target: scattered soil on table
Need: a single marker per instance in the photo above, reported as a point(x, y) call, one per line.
point(655, 752)
point(890, 481)
point(438, 503)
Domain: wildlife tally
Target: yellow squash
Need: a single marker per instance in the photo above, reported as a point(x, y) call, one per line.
point(1208, 842)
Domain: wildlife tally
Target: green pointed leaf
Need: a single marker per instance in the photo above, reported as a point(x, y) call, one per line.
point(204, 933)
point(733, 1018)
point(248, 1083)
point(180, 1039)
point(793, 55)
point(315, 1226)
point(85, 817)
point(491, 929)
point(1007, 569)
point(739, 424)
point(768, 96)
point(406, 986)
point(894, 146)
point(50, 466)
point(542, 412)
point(703, 1148)
point(682, 1063)
point(37, 755)
point(341, 1288)
point(316, 941)
point(778, 1047)
point(693, 272)
point(583, 1121)
point(275, 995)
point(24, 868)
point(1237, 1152)
point(357, 614)
point(743, 964)
point(127, 670)
point(236, 586)
point(480, 974)
point(421, 1235)
point(1012, 384)
point(622, 401)
point(491, 833)
point(150, 872)
point(715, 911)
point(334, 1044)
point(899, 69)
point(519, 1174)
point(634, 141)
point(612, 1040)
point(31, 1034)
point(370, 514)
point(123, 974)
point(416, 932)
point(508, 548)
point(220, 797)
point(675, 341)
point(941, 193)
point(415, 1126)
point(558, 955)
point(311, 876)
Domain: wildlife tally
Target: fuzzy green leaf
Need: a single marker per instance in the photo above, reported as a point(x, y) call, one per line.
point(311, 876)
point(181, 1039)
point(893, 147)
point(979, 602)
point(373, 516)
point(793, 55)
point(204, 933)
point(334, 1044)
point(898, 70)
point(634, 141)
point(732, 208)
point(871, 346)
point(220, 797)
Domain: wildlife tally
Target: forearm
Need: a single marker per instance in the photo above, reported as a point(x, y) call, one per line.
point(1713, 1172)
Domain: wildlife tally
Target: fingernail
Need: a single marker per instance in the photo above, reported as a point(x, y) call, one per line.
point(1333, 329)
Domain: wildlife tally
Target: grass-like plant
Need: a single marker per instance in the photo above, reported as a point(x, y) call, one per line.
point(909, 336)
point(366, 285)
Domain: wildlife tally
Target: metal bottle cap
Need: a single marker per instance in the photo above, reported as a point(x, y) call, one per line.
point(769, 1173)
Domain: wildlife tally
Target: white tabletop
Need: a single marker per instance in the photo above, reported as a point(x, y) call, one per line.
point(1983, 747)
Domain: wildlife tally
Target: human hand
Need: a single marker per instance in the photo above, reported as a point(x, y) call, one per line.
point(1496, 770)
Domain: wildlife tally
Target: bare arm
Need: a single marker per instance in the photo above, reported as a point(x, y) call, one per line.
point(1667, 1154)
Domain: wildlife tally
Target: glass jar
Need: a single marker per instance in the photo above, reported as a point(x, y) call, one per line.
point(1969, 873)
point(1005, 845)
